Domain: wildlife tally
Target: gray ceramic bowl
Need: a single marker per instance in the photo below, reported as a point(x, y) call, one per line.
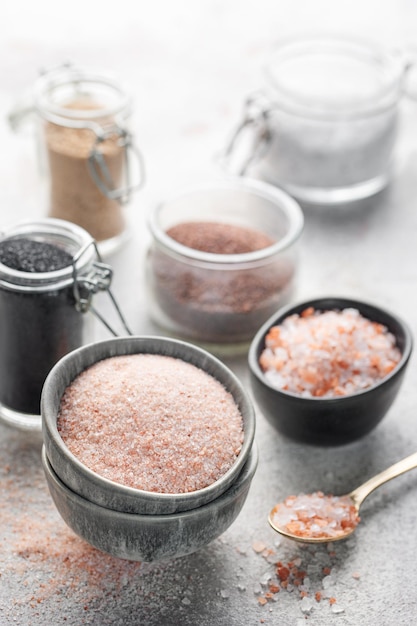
point(329, 421)
point(150, 537)
point(106, 493)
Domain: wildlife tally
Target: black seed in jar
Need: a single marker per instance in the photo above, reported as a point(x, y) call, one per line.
point(37, 327)
point(29, 255)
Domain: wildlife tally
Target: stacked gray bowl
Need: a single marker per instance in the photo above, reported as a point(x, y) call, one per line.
point(130, 523)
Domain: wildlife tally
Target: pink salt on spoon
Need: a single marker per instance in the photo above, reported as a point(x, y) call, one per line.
point(319, 518)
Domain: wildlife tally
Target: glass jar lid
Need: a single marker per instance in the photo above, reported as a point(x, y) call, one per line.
point(71, 238)
point(79, 97)
point(326, 76)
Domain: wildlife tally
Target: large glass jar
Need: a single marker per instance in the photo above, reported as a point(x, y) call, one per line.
point(86, 150)
point(42, 311)
point(215, 295)
point(324, 125)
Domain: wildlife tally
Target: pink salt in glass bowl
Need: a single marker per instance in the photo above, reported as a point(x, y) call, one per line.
point(97, 489)
point(219, 298)
point(329, 421)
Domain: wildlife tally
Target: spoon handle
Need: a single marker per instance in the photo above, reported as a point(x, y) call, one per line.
point(359, 494)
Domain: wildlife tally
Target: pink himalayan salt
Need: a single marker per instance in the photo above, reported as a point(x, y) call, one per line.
point(151, 422)
point(328, 353)
point(316, 515)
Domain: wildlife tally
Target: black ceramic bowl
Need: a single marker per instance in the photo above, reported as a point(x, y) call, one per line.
point(329, 421)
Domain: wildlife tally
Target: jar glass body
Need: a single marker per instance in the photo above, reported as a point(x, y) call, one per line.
point(40, 321)
point(333, 117)
point(82, 128)
point(222, 299)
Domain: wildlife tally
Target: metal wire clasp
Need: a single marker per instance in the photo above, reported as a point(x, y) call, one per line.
point(256, 119)
point(100, 172)
point(98, 278)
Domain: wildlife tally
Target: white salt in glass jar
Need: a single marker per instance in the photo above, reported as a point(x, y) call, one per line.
point(324, 126)
point(86, 150)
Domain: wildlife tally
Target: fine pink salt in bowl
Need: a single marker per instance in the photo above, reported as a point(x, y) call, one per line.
point(364, 373)
point(193, 437)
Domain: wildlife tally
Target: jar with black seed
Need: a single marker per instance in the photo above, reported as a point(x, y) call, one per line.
point(46, 267)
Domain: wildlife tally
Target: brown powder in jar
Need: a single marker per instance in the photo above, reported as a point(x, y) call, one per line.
point(218, 304)
point(74, 195)
point(151, 422)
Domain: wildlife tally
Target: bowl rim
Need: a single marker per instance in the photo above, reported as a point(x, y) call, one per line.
point(244, 477)
point(319, 303)
point(161, 346)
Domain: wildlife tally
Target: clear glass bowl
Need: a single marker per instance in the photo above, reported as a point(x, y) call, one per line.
point(222, 299)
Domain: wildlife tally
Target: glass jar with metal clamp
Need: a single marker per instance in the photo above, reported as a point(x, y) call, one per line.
point(50, 271)
point(87, 151)
point(324, 125)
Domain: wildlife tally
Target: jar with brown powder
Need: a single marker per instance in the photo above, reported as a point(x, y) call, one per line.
point(87, 152)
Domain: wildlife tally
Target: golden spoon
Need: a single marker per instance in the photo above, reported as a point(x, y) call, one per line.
point(309, 527)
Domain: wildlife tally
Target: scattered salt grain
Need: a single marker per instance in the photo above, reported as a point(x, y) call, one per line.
point(271, 558)
point(328, 353)
point(180, 431)
point(265, 579)
point(328, 582)
point(258, 546)
point(306, 605)
point(306, 584)
point(291, 577)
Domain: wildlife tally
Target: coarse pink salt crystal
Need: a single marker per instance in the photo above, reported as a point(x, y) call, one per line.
point(328, 353)
point(258, 546)
point(151, 422)
point(316, 515)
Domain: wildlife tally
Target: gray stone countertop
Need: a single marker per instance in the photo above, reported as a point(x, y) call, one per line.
point(189, 66)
